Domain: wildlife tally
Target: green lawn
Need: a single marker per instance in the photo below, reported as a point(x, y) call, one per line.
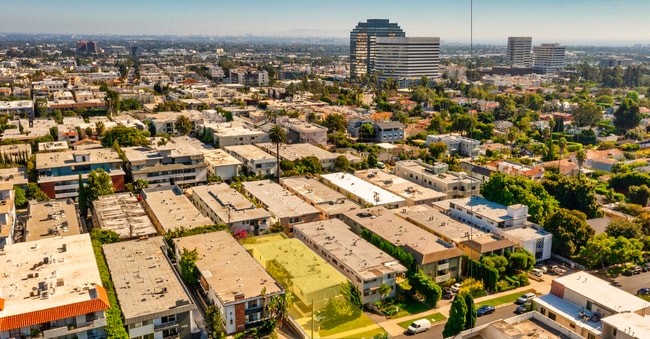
point(413, 307)
point(344, 325)
point(434, 318)
point(505, 299)
point(369, 334)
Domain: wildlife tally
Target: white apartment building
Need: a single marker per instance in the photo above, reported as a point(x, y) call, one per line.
point(255, 160)
point(407, 59)
point(299, 131)
point(549, 58)
point(169, 164)
point(518, 53)
point(438, 178)
point(456, 144)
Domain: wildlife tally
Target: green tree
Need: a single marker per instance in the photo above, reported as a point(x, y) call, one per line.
point(372, 159)
point(335, 123)
point(470, 317)
point(437, 149)
point(100, 127)
point(83, 197)
point(20, 197)
point(112, 100)
point(573, 193)
point(278, 136)
point(603, 250)
point(587, 114)
point(624, 228)
point(498, 262)
point(627, 115)
point(104, 236)
point(367, 132)
point(33, 191)
point(125, 136)
point(508, 190)
point(99, 183)
point(562, 145)
point(183, 125)
point(214, 322)
point(384, 290)
point(457, 317)
point(137, 186)
point(581, 157)
point(341, 164)
point(570, 231)
point(189, 272)
point(639, 194)
point(520, 261)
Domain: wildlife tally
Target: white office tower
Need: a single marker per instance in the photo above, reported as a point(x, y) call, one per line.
point(519, 51)
point(407, 59)
point(548, 58)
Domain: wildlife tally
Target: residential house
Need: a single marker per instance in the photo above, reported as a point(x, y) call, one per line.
point(299, 131)
point(438, 178)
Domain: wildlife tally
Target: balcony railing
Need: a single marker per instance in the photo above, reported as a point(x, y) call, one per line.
point(165, 325)
point(65, 330)
point(442, 278)
point(444, 266)
point(254, 309)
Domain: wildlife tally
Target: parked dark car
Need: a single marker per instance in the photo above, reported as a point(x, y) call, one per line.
point(646, 267)
point(643, 291)
point(483, 310)
point(522, 308)
point(628, 272)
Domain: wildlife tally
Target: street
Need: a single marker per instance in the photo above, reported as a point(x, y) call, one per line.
point(502, 312)
point(632, 283)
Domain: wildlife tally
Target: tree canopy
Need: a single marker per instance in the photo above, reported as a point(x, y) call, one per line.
point(99, 183)
point(573, 193)
point(570, 231)
point(457, 317)
point(508, 190)
point(125, 136)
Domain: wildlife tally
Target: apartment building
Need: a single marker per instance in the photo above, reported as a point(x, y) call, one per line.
point(123, 214)
point(456, 144)
point(439, 259)
point(328, 201)
point(366, 266)
point(224, 205)
point(152, 297)
point(407, 60)
point(593, 308)
point(248, 76)
point(510, 222)
point(18, 107)
point(239, 294)
point(518, 53)
point(473, 241)
point(253, 159)
point(286, 208)
point(165, 122)
point(235, 133)
point(438, 178)
point(51, 219)
point(300, 131)
point(51, 289)
point(7, 214)
point(58, 173)
point(169, 164)
point(385, 132)
point(362, 192)
point(549, 58)
point(413, 193)
point(363, 44)
point(295, 152)
point(169, 209)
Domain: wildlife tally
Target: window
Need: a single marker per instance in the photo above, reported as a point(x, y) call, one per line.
point(170, 332)
point(168, 318)
point(542, 311)
point(591, 336)
point(551, 316)
point(572, 325)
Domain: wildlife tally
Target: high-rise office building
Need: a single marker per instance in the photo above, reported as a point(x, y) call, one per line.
point(87, 47)
point(362, 44)
point(548, 58)
point(406, 59)
point(518, 54)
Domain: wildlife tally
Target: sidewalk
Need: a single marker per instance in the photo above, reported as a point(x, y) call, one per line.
point(391, 326)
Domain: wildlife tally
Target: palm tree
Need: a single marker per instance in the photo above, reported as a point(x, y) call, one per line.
point(562, 144)
point(581, 156)
point(277, 136)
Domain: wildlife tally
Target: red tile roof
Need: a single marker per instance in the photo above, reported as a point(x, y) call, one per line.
point(60, 312)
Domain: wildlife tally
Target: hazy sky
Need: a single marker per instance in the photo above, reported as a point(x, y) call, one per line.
point(609, 22)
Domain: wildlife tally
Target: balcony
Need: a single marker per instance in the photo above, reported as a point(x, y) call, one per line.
point(160, 327)
point(442, 278)
point(444, 266)
point(255, 309)
point(65, 330)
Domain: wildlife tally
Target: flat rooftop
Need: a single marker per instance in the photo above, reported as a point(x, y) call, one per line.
point(438, 223)
point(401, 187)
point(233, 129)
point(173, 209)
point(526, 232)
point(319, 194)
point(53, 146)
point(480, 206)
point(52, 219)
point(279, 201)
point(144, 280)
point(358, 255)
point(293, 152)
point(630, 323)
point(307, 271)
point(249, 152)
point(227, 203)
point(13, 175)
point(123, 214)
point(366, 191)
point(446, 178)
point(68, 276)
point(602, 292)
point(568, 310)
point(67, 158)
point(426, 246)
point(219, 253)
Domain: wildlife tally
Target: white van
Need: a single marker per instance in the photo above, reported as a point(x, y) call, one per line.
point(537, 272)
point(419, 326)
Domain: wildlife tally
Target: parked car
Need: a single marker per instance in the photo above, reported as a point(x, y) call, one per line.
point(525, 298)
point(643, 291)
point(447, 293)
point(541, 267)
point(455, 287)
point(419, 326)
point(633, 270)
point(646, 267)
point(483, 310)
point(556, 269)
point(537, 272)
point(523, 308)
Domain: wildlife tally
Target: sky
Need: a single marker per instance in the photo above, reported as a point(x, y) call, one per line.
point(594, 22)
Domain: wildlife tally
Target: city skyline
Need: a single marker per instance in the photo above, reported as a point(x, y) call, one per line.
point(598, 22)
